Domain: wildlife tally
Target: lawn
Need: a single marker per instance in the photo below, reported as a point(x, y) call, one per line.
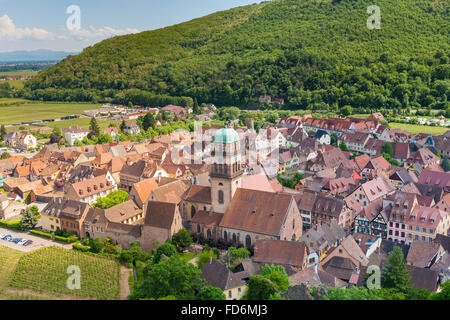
point(24, 111)
point(418, 128)
point(45, 271)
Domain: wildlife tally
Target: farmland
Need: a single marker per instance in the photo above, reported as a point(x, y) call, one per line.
point(418, 128)
point(8, 261)
point(19, 110)
point(45, 272)
point(18, 73)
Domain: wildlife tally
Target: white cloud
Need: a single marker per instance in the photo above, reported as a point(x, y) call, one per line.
point(8, 31)
point(102, 33)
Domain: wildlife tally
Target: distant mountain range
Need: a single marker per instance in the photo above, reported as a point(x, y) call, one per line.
point(34, 56)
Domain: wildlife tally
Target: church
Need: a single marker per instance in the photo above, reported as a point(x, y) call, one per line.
point(225, 210)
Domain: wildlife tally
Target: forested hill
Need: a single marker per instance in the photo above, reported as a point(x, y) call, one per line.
point(309, 52)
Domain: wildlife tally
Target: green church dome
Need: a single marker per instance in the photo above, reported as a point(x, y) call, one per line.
point(226, 135)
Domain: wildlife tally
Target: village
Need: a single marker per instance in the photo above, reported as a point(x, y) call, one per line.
point(324, 198)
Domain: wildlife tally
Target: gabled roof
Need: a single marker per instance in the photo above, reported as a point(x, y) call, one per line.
point(122, 211)
point(144, 188)
point(257, 211)
point(372, 210)
point(198, 194)
point(218, 275)
point(160, 214)
point(377, 188)
point(444, 241)
point(421, 253)
point(422, 278)
point(280, 252)
point(435, 178)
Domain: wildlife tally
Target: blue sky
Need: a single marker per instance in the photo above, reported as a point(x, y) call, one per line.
point(41, 24)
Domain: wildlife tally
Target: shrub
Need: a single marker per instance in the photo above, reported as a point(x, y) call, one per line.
point(80, 247)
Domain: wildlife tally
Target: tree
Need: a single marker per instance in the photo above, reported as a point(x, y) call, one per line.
point(236, 254)
point(148, 121)
point(211, 293)
point(135, 253)
point(2, 132)
point(278, 276)
point(123, 125)
point(395, 274)
point(343, 146)
point(196, 108)
point(54, 138)
point(94, 127)
point(96, 245)
point(114, 198)
point(130, 105)
point(388, 149)
point(444, 294)
point(104, 138)
point(259, 288)
point(205, 257)
point(346, 111)
point(167, 249)
point(57, 132)
point(172, 277)
point(5, 155)
point(446, 164)
point(28, 220)
point(334, 139)
point(182, 239)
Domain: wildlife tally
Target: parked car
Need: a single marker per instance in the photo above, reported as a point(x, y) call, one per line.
point(17, 240)
point(8, 238)
point(28, 242)
point(23, 241)
point(2, 235)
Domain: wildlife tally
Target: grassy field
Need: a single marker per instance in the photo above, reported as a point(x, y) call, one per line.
point(418, 128)
point(16, 84)
point(45, 272)
point(23, 111)
point(18, 73)
point(81, 122)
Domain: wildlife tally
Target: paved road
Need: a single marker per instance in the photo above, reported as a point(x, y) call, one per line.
point(38, 242)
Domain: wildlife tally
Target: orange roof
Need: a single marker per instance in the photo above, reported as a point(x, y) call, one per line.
point(144, 188)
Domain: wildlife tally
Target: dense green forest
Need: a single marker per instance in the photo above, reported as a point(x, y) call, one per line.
point(316, 54)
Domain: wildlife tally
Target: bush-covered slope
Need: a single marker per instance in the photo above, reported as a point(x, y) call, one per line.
point(310, 52)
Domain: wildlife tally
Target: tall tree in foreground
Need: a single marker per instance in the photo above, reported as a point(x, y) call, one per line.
point(94, 127)
point(259, 288)
point(395, 275)
point(172, 277)
point(211, 293)
point(28, 220)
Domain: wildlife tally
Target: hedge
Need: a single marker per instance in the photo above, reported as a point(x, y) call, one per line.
point(41, 234)
point(15, 225)
point(57, 238)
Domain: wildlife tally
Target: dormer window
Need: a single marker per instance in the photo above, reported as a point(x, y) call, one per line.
point(432, 220)
point(422, 219)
